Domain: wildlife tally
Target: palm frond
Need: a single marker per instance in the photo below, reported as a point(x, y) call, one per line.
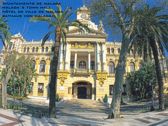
point(46, 37)
point(40, 18)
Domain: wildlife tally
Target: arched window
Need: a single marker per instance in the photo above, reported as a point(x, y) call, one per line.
point(33, 64)
point(36, 49)
point(28, 49)
point(82, 65)
point(24, 49)
point(119, 50)
point(33, 49)
point(111, 67)
point(42, 66)
point(131, 52)
point(46, 49)
point(132, 67)
point(108, 50)
point(72, 64)
point(42, 49)
point(92, 65)
point(112, 50)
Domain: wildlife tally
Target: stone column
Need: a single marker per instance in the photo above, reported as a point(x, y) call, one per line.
point(75, 60)
point(47, 66)
point(104, 57)
point(67, 57)
point(37, 65)
point(89, 59)
point(98, 57)
point(95, 58)
point(61, 57)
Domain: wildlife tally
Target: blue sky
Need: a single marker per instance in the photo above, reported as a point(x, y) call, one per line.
point(36, 31)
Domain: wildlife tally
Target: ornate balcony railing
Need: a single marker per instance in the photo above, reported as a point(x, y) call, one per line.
point(82, 72)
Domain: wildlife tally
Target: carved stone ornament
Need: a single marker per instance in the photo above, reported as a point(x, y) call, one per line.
point(101, 76)
point(62, 76)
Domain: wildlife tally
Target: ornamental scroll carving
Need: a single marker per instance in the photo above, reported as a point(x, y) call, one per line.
point(101, 77)
point(82, 46)
point(62, 76)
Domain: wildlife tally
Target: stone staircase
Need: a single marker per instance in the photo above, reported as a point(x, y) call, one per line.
point(83, 108)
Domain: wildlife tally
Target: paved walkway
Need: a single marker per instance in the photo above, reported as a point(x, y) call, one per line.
point(84, 113)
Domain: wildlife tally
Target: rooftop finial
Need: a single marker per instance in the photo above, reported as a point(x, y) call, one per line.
point(100, 27)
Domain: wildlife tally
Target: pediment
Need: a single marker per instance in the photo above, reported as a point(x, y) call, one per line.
point(77, 31)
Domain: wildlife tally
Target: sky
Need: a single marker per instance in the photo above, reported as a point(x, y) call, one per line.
point(36, 31)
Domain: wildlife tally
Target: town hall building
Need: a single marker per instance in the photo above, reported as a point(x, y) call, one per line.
point(87, 63)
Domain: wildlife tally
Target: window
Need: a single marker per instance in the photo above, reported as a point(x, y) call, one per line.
point(52, 49)
point(42, 49)
point(112, 50)
point(111, 89)
point(140, 65)
point(69, 90)
point(72, 64)
point(131, 52)
point(33, 64)
point(124, 89)
point(111, 67)
point(24, 49)
point(82, 65)
point(28, 49)
point(119, 50)
point(163, 65)
point(40, 89)
point(10, 47)
point(132, 67)
point(92, 65)
point(36, 49)
point(108, 50)
point(33, 49)
point(46, 49)
point(42, 66)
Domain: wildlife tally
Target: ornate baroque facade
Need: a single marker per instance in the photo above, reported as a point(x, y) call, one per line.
point(86, 63)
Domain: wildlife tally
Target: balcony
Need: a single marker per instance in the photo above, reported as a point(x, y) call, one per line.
point(81, 72)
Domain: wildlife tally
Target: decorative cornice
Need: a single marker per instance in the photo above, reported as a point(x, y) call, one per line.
point(85, 36)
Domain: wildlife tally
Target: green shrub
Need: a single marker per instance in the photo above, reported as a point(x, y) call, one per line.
point(58, 98)
point(105, 99)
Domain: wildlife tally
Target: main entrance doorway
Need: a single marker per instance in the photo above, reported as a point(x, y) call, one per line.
point(82, 90)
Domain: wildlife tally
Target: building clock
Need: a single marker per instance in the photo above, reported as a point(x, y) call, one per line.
point(84, 16)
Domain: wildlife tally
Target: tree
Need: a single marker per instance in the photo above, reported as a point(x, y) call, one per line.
point(152, 27)
point(4, 32)
point(60, 23)
point(120, 14)
point(21, 74)
point(5, 39)
point(140, 82)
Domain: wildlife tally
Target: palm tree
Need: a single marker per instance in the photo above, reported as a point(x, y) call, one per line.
point(152, 27)
point(141, 48)
point(4, 32)
point(59, 22)
point(4, 38)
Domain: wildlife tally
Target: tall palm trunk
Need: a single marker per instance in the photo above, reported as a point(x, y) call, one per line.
point(116, 101)
point(53, 70)
point(158, 73)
